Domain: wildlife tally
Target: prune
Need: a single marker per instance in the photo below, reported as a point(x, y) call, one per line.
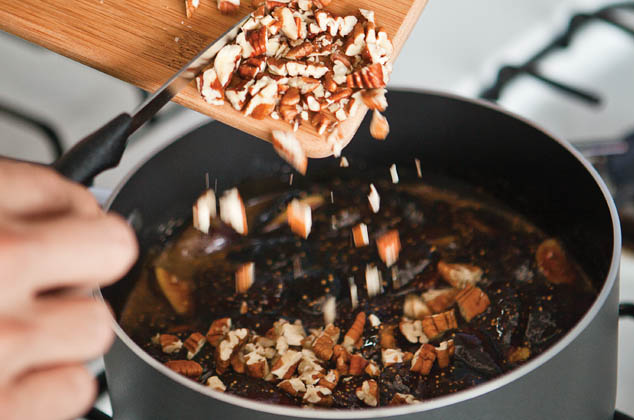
point(471, 352)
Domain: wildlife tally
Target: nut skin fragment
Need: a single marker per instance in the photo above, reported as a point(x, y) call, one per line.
point(379, 127)
point(459, 275)
point(472, 301)
point(554, 263)
point(368, 392)
point(424, 359)
point(444, 353)
point(435, 325)
point(193, 344)
point(355, 332)
point(217, 331)
point(187, 368)
point(368, 77)
point(389, 246)
point(245, 276)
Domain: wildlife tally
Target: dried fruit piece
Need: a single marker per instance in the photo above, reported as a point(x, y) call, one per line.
point(435, 325)
point(176, 290)
point(379, 127)
point(374, 199)
point(289, 148)
point(170, 343)
point(245, 276)
point(360, 235)
point(368, 392)
point(519, 354)
point(232, 211)
point(217, 331)
point(357, 365)
point(204, 210)
point(444, 352)
point(472, 301)
point(423, 359)
point(228, 7)
point(216, 384)
point(193, 344)
point(554, 264)
point(459, 275)
point(389, 246)
point(299, 218)
point(187, 368)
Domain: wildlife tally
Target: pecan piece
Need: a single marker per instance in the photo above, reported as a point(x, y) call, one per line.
point(299, 218)
point(193, 344)
point(459, 275)
point(355, 332)
point(389, 246)
point(318, 395)
point(357, 365)
point(228, 7)
point(379, 127)
point(368, 77)
point(291, 97)
point(204, 210)
point(323, 347)
point(256, 364)
point(190, 7)
point(435, 325)
point(301, 50)
point(187, 368)
point(170, 343)
point(374, 199)
point(232, 211)
point(368, 392)
point(330, 380)
point(390, 357)
point(374, 99)
point(444, 352)
point(423, 359)
point(386, 337)
point(415, 308)
point(294, 386)
point(245, 276)
point(519, 354)
point(372, 369)
point(228, 347)
point(413, 331)
point(360, 234)
point(216, 384)
point(217, 331)
point(340, 94)
point(403, 399)
point(321, 121)
point(285, 366)
point(472, 301)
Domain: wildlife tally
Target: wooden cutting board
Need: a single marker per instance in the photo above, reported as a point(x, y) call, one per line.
point(144, 42)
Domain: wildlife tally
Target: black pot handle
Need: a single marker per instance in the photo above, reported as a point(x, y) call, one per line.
point(97, 152)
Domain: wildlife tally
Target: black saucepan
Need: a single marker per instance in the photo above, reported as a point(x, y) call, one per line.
point(519, 164)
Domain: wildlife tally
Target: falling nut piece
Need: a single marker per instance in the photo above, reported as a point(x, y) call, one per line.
point(289, 148)
point(379, 127)
point(228, 7)
point(344, 162)
point(394, 173)
point(372, 280)
point(204, 210)
point(374, 199)
point(360, 235)
point(232, 211)
point(245, 276)
point(330, 310)
point(216, 384)
point(299, 217)
point(389, 246)
point(191, 6)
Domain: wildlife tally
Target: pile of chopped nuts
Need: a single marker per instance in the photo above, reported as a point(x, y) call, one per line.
point(296, 62)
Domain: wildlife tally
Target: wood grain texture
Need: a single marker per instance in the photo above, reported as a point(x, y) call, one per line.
point(144, 42)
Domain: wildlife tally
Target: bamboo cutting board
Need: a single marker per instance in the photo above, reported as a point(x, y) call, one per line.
point(144, 42)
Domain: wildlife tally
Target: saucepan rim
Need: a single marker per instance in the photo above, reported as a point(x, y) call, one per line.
point(437, 402)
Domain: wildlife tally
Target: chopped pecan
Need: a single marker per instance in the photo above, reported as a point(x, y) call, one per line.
point(386, 337)
point(291, 97)
point(372, 369)
point(244, 307)
point(329, 309)
point(374, 199)
point(257, 38)
point(285, 366)
point(374, 321)
point(289, 148)
point(340, 94)
point(391, 356)
point(204, 210)
point(389, 246)
point(357, 365)
point(251, 68)
point(472, 301)
point(554, 263)
point(330, 380)
point(245, 276)
point(228, 7)
point(318, 395)
point(193, 344)
point(355, 332)
point(415, 308)
point(459, 275)
point(368, 77)
point(170, 343)
point(257, 365)
point(444, 352)
point(360, 235)
point(301, 50)
point(344, 164)
point(226, 61)
point(329, 82)
point(299, 217)
point(228, 347)
point(368, 392)
point(321, 121)
point(423, 359)
point(217, 331)
point(402, 399)
point(232, 211)
point(187, 368)
point(374, 99)
point(216, 384)
point(238, 363)
point(294, 386)
point(435, 325)
point(439, 300)
point(394, 173)
point(191, 6)
point(323, 346)
point(413, 331)
point(379, 127)
point(288, 113)
point(372, 280)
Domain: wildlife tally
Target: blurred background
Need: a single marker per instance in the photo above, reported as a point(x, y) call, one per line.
point(567, 65)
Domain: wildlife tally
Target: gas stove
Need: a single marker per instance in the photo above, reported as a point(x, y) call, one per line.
point(566, 65)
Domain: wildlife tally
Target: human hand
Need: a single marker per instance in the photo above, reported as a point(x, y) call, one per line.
point(53, 236)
